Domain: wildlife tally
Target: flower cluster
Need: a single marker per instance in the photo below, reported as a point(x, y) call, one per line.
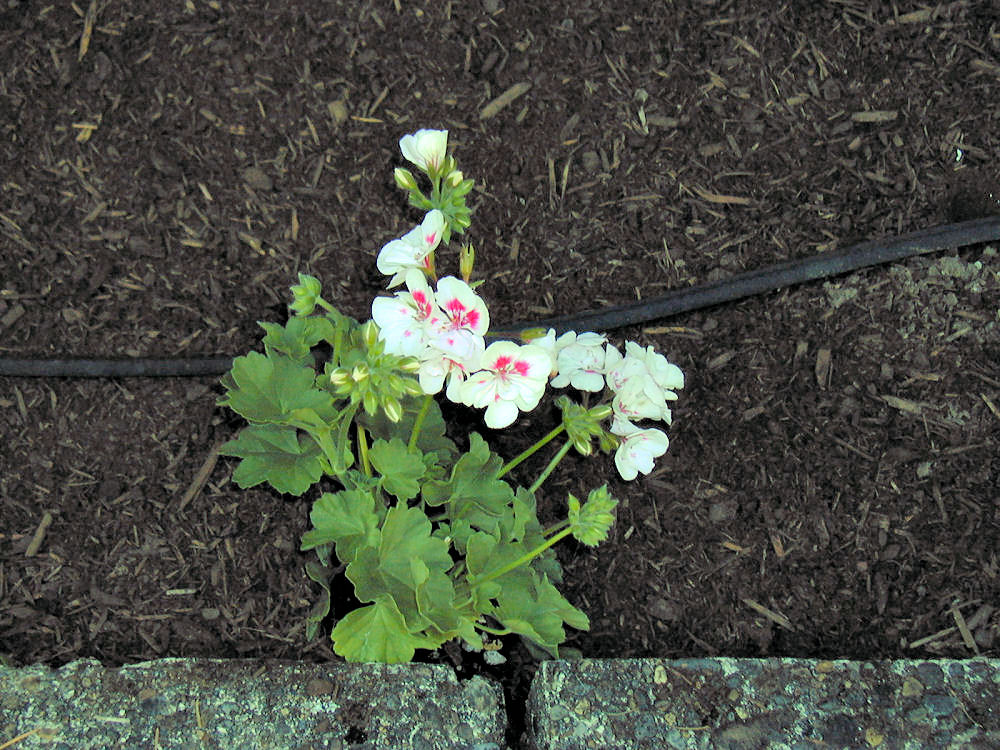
point(445, 329)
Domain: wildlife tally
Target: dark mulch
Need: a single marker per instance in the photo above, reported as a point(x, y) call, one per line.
point(831, 489)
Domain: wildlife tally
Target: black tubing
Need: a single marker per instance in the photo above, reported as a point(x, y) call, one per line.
point(779, 275)
point(786, 273)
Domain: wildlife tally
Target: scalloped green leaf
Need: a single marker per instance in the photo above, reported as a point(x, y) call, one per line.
point(277, 455)
point(401, 470)
point(347, 519)
point(297, 337)
point(378, 633)
point(269, 388)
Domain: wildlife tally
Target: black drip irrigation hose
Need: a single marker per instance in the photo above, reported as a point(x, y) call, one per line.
point(777, 276)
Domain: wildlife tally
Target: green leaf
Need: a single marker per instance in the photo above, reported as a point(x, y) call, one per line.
point(346, 518)
point(474, 493)
point(407, 553)
point(400, 469)
point(268, 388)
point(275, 454)
point(321, 574)
point(532, 607)
point(590, 524)
point(377, 633)
point(297, 338)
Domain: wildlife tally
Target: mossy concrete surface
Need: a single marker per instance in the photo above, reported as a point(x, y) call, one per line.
point(644, 703)
point(205, 703)
point(775, 703)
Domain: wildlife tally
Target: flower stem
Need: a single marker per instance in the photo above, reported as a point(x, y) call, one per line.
point(552, 465)
point(556, 527)
point(419, 422)
point(494, 631)
point(522, 560)
point(531, 450)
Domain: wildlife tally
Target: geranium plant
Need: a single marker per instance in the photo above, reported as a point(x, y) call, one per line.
point(437, 540)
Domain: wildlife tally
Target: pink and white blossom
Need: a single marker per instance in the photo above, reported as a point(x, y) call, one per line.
point(637, 449)
point(580, 361)
point(402, 319)
point(425, 148)
point(512, 378)
point(641, 382)
point(412, 250)
point(461, 308)
point(449, 356)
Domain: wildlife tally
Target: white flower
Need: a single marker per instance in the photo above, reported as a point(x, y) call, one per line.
point(402, 320)
point(580, 361)
point(638, 448)
point(641, 381)
point(425, 148)
point(412, 250)
point(513, 378)
point(461, 308)
point(449, 354)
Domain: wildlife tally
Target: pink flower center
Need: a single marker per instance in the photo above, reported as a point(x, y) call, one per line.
point(460, 315)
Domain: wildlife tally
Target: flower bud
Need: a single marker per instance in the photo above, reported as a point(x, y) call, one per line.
point(601, 411)
point(466, 259)
point(360, 372)
point(370, 402)
point(392, 408)
point(369, 334)
point(454, 178)
point(340, 376)
point(404, 178)
point(409, 364)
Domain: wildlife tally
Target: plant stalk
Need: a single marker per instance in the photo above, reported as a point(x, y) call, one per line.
point(552, 465)
point(530, 451)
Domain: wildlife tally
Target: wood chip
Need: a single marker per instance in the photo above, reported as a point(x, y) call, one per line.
point(770, 614)
point(875, 115)
point(36, 540)
point(731, 200)
point(504, 100)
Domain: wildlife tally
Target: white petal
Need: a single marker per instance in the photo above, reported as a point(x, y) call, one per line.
point(500, 414)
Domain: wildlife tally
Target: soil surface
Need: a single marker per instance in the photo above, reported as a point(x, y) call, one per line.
point(168, 168)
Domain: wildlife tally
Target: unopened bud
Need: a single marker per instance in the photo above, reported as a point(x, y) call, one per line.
point(369, 333)
point(409, 364)
point(466, 260)
point(339, 376)
point(392, 408)
point(601, 411)
point(530, 334)
point(582, 445)
point(404, 178)
point(454, 179)
point(370, 402)
point(359, 373)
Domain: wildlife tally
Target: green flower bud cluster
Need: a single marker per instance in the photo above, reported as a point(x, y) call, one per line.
point(590, 523)
point(305, 294)
point(582, 425)
point(448, 193)
point(370, 376)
